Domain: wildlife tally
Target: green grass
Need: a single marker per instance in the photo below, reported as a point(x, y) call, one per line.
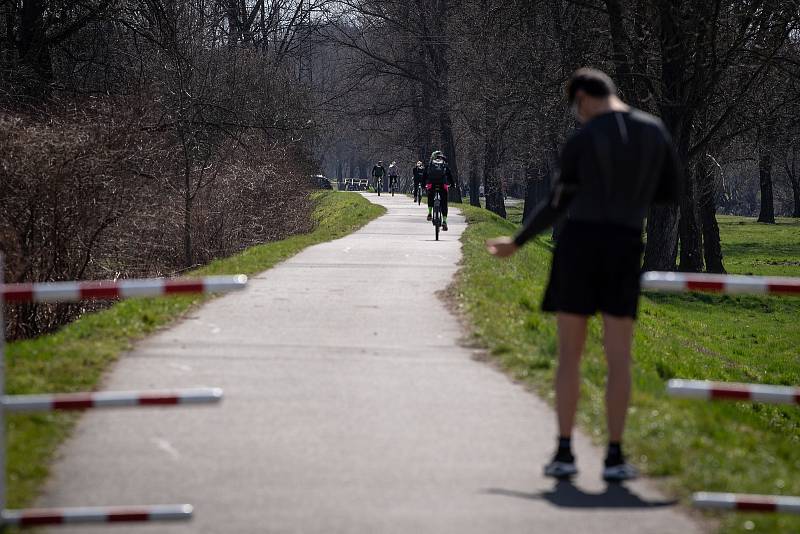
point(75, 357)
point(693, 445)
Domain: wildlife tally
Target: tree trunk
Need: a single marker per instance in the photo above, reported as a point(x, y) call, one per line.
point(620, 55)
point(662, 239)
point(187, 230)
point(449, 145)
point(493, 188)
point(794, 179)
point(691, 243)
point(766, 149)
point(707, 195)
point(532, 191)
point(441, 88)
point(33, 47)
point(423, 121)
point(474, 178)
point(662, 221)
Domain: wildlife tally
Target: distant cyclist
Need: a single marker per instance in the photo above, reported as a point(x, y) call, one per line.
point(393, 175)
point(378, 173)
point(437, 177)
point(418, 171)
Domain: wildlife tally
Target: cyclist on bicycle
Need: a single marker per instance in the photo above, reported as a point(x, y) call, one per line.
point(437, 177)
point(378, 172)
point(393, 175)
point(419, 181)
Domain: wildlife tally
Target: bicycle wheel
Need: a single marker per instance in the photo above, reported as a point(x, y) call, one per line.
point(437, 216)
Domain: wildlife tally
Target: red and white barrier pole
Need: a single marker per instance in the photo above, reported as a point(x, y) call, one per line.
point(706, 390)
point(120, 289)
point(719, 283)
point(2, 389)
point(109, 399)
point(96, 514)
point(72, 292)
point(747, 503)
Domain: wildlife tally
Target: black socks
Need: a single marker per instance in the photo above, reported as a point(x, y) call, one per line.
point(564, 453)
point(614, 456)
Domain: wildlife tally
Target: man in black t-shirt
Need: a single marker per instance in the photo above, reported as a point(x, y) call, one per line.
point(620, 163)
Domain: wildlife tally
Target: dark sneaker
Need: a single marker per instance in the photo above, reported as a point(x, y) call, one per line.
point(430, 217)
point(556, 469)
point(619, 472)
point(444, 227)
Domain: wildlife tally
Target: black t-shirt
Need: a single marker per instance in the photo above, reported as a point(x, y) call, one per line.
point(378, 171)
point(612, 170)
point(418, 172)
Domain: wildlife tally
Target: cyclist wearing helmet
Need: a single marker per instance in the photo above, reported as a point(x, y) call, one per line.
point(393, 176)
point(378, 172)
point(437, 176)
point(417, 172)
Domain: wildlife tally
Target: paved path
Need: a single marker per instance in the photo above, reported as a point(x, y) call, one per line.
point(344, 412)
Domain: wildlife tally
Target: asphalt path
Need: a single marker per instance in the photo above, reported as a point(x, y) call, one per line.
point(350, 406)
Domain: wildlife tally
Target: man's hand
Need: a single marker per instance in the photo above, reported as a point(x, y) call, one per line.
point(502, 247)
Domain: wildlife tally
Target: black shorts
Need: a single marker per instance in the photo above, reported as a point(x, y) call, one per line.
point(596, 267)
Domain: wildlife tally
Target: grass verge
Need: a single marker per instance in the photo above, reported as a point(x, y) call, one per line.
point(692, 445)
point(75, 357)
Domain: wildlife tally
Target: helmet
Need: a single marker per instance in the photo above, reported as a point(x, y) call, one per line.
point(437, 154)
point(380, 162)
point(420, 164)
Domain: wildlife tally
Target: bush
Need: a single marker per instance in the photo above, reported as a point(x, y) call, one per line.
point(93, 191)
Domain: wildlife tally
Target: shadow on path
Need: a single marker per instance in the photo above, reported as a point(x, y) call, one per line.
point(566, 495)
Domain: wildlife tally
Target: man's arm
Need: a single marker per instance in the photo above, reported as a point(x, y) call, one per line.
point(561, 194)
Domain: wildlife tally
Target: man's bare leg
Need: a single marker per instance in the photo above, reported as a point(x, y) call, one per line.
point(571, 339)
point(617, 339)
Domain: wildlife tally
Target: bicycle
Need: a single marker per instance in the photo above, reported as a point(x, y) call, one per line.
point(437, 213)
point(418, 194)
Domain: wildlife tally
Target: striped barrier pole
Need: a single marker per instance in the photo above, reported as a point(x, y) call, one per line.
point(109, 399)
point(96, 514)
point(120, 289)
point(706, 390)
point(719, 283)
point(747, 503)
point(2, 390)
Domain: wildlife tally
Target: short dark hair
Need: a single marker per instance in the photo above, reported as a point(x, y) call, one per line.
point(592, 81)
